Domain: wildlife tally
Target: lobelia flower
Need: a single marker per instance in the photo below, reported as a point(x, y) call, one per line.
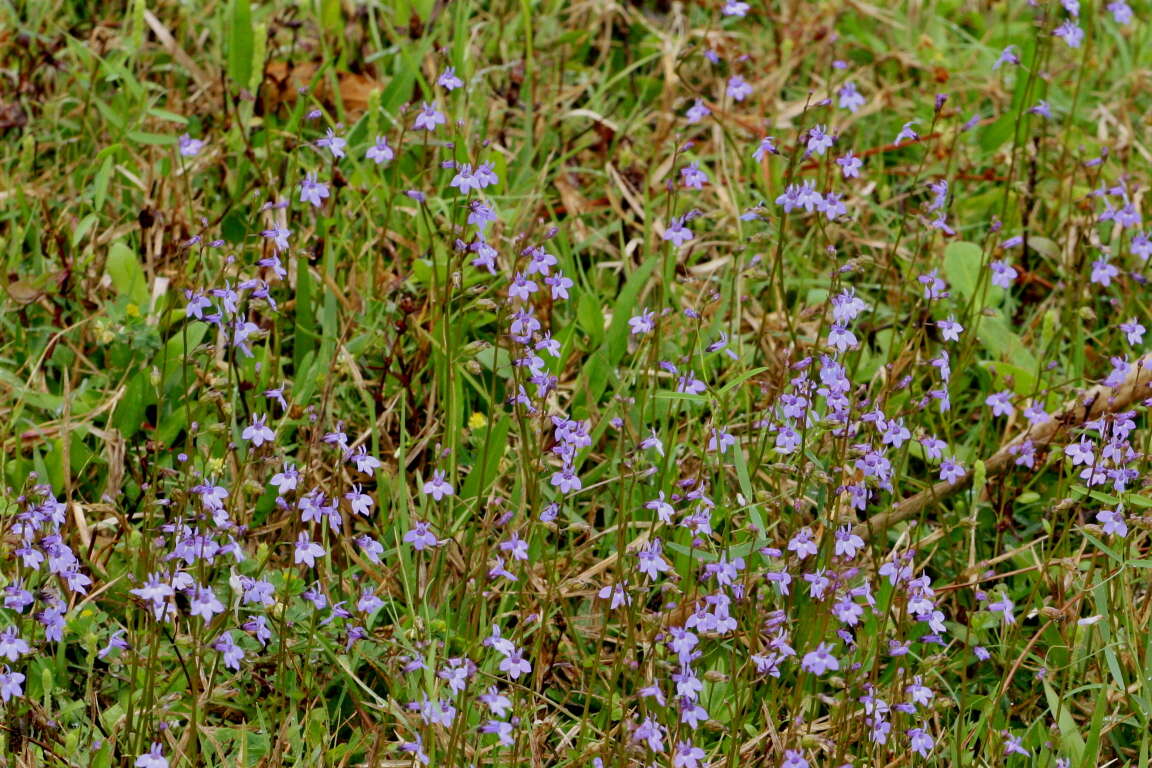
point(1041, 109)
point(1103, 272)
point(694, 178)
point(738, 88)
point(1112, 522)
point(428, 118)
point(313, 191)
point(698, 111)
point(736, 8)
point(687, 755)
point(515, 665)
point(642, 323)
point(951, 471)
point(448, 79)
point(615, 593)
point(934, 285)
point(380, 152)
point(849, 165)
point(464, 180)
point(820, 660)
point(1121, 11)
point(850, 98)
point(1133, 331)
point(279, 238)
point(766, 146)
point(152, 758)
point(10, 684)
point(12, 646)
point(438, 487)
point(907, 133)
point(334, 144)
point(676, 233)
point(803, 544)
point(306, 551)
point(1012, 746)
point(189, 147)
point(847, 543)
point(420, 537)
point(204, 603)
point(1007, 56)
point(258, 432)
point(229, 651)
point(1003, 274)
point(1070, 33)
point(818, 141)
point(1000, 403)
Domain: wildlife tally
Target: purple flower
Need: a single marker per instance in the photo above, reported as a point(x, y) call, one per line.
point(802, 544)
point(694, 178)
point(1121, 11)
point(820, 660)
point(735, 8)
point(10, 685)
point(849, 165)
point(1103, 272)
point(515, 665)
point(448, 80)
point(738, 88)
point(152, 758)
point(698, 111)
point(312, 191)
point(1012, 746)
point(428, 118)
point(615, 593)
point(1007, 56)
point(1133, 331)
point(688, 755)
point(818, 141)
point(642, 323)
point(258, 432)
point(934, 285)
point(1070, 33)
point(420, 537)
point(231, 653)
point(906, 133)
point(1000, 403)
point(306, 550)
point(920, 741)
point(1003, 274)
point(676, 233)
point(204, 604)
point(766, 146)
point(1112, 522)
point(1004, 606)
point(190, 147)
point(438, 487)
point(1041, 109)
point(380, 152)
point(12, 646)
point(794, 758)
point(850, 98)
point(951, 471)
point(464, 180)
point(335, 144)
point(847, 543)
point(950, 330)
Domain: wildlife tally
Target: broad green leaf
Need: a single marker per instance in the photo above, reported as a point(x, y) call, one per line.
point(241, 42)
point(962, 267)
point(127, 275)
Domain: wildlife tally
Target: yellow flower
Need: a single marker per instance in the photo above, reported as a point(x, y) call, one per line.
point(477, 420)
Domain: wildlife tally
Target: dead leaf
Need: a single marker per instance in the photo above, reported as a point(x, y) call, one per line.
point(284, 79)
